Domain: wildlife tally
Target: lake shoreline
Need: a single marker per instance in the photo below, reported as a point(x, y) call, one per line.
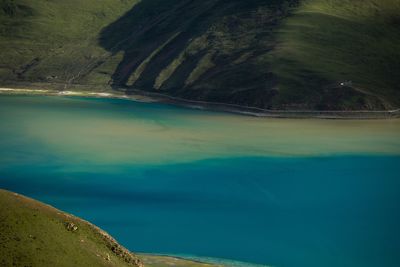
point(204, 261)
point(109, 241)
point(151, 97)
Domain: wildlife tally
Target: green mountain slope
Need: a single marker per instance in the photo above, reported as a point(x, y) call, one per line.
point(50, 41)
point(326, 42)
point(35, 234)
point(278, 54)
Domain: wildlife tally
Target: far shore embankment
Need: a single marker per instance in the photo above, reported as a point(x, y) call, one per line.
point(144, 96)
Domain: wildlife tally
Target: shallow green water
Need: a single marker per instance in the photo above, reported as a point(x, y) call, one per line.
point(170, 180)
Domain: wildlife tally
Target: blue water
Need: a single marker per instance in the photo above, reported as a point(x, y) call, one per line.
point(339, 210)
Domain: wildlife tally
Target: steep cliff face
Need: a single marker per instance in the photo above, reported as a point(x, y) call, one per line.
point(277, 54)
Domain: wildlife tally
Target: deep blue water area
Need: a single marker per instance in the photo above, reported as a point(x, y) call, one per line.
point(317, 211)
point(168, 180)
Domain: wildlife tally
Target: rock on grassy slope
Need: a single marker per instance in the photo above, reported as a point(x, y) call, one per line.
point(277, 54)
point(35, 234)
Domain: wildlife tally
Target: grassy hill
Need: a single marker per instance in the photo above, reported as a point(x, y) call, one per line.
point(35, 234)
point(328, 41)
point(50, 41)
point(278, 54)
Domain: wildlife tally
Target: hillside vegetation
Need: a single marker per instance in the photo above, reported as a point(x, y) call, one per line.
point(328, 41)
point(275, 54)
point(35, 234)
point(50, 41)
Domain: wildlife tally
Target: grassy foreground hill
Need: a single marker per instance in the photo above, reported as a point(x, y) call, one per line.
point(275, 54)
point(35, 234)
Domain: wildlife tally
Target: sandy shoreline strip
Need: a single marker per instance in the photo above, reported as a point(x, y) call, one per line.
point(50, 92)
point(175, 260)
point(142, 96)
point(44, 91)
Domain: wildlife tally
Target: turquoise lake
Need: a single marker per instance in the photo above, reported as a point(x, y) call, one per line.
point(169, 180)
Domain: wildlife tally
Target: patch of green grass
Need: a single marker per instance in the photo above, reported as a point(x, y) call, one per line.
point(61, 35)
point(34, 234)
point(326, 42)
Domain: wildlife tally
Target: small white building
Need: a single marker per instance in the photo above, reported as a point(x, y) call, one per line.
point(346, 83)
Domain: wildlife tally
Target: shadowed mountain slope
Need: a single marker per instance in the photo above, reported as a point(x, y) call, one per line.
point(276, 54)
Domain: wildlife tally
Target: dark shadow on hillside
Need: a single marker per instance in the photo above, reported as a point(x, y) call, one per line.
point(166, 25)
